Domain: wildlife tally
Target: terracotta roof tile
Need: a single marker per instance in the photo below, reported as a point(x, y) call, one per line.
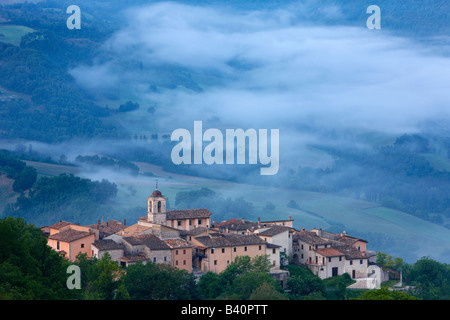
point(150, 241)
point(329, 252)
point(108, 244)
point(60, 224)
point(188, 214)
point(70, 235)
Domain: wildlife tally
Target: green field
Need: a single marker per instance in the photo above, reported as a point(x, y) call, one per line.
point(13, 34)
point(387, 230)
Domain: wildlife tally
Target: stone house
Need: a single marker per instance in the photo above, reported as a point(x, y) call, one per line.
point(145, 247)
point(70, 239)
point(279, 235)
point(328, 254)
point(181, 253)
point(215, 252)
point(114, 249)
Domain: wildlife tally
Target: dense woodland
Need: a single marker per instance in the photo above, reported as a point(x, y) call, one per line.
point(29, 269)
point(48, 199)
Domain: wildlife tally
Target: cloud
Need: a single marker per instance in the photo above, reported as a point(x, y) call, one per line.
point(272, 69)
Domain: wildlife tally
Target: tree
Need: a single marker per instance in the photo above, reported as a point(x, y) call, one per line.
point(431, 278)
point(211, 285)
point(266, 292)
point(29, 268)
point(386, 261)
point(302, 282)
point(154, 281)
point(25, 179)
point(103, 278)
point(385, 294)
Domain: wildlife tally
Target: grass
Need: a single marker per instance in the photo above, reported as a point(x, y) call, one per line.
point(13, 34)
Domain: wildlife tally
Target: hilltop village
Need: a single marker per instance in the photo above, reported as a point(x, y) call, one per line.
point(190, 240)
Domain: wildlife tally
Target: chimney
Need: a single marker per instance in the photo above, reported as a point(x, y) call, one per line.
point(290, 217)
point(259, 221)
point(243, 219)
point(124, 222)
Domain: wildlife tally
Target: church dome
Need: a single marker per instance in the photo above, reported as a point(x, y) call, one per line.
point(156, 193)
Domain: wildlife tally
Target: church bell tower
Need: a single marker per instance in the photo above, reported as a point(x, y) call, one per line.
point(157, 207)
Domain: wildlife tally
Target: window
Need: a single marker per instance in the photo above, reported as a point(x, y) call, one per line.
point(223, 250)
point(245, 248)
point(234, 249)
point(82, 245)
point(154, 259)
point(309, 248)
point(212, 251)
point(184, 251)
point(340, 258)
point(165, 259)
point(329, 259)
point(184, 262)
point(199, 221)
point(259, 247)
point(274, 251)
point(215, 262)
point(176, 252)
point(176, 262)
point(159, 206)
point(360, 261)
point(179, 223)
point(57, 245)
point(351, 262)
point(190, 222)
point(302, 247)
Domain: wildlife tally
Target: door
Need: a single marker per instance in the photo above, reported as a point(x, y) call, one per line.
point(353, 274)
point(334, 271)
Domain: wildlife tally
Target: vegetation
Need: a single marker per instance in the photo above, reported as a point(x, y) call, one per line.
point(243, 279)
point(121, 166)
point(29, 269)
point(62, 197)
point(24, 177)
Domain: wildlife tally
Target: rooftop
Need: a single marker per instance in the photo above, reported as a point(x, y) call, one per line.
point(237, 225)
point(188, 214)
point(60, 224)
point(69, 235)
point(108, 244)
point(229, 240)
point(273, 231)
point(309, 237)
point(132, 230)
point(150, 241)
